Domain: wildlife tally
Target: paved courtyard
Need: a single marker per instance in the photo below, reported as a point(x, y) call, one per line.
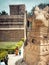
point(13, 58)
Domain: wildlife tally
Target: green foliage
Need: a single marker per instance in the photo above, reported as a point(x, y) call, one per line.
point(3, 54)
point(10, 46)
point(19, 44)
point(3, 13)
point(22, 39)
point(42, 5)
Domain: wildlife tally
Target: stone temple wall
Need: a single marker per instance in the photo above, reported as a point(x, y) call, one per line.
point(17, 9)
point(13, 26)
point(11, 35)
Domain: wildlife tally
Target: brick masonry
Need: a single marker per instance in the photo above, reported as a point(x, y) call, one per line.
point(14, 22)
point(17, 9)
point(11, 35)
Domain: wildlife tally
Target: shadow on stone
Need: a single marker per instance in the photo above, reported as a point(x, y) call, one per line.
point(21, 62)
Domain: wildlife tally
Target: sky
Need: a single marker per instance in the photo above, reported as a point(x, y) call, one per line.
point(4, 4)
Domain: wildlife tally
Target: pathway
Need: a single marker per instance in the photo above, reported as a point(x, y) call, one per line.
point(13, 58)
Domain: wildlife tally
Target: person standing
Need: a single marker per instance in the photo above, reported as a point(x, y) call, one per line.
point(16, 51)
point(19, 52)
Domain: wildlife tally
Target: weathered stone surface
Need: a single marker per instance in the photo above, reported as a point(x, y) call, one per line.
point(12, 27)
point(21, 62)
point(17, 9)
point(37, 50)
point(11, 35)
point(31, 54)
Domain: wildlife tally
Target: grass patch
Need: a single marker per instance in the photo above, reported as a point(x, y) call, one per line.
point(10, 46)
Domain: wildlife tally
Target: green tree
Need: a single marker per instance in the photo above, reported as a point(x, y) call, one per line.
point(41, 6)
point(3, 13)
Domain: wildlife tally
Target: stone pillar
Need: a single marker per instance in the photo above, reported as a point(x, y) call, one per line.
point(25, 26)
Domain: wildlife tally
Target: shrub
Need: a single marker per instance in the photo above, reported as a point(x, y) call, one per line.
point(3, 54)
point(10, 46)
point(19, 44)
point(22, 39)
